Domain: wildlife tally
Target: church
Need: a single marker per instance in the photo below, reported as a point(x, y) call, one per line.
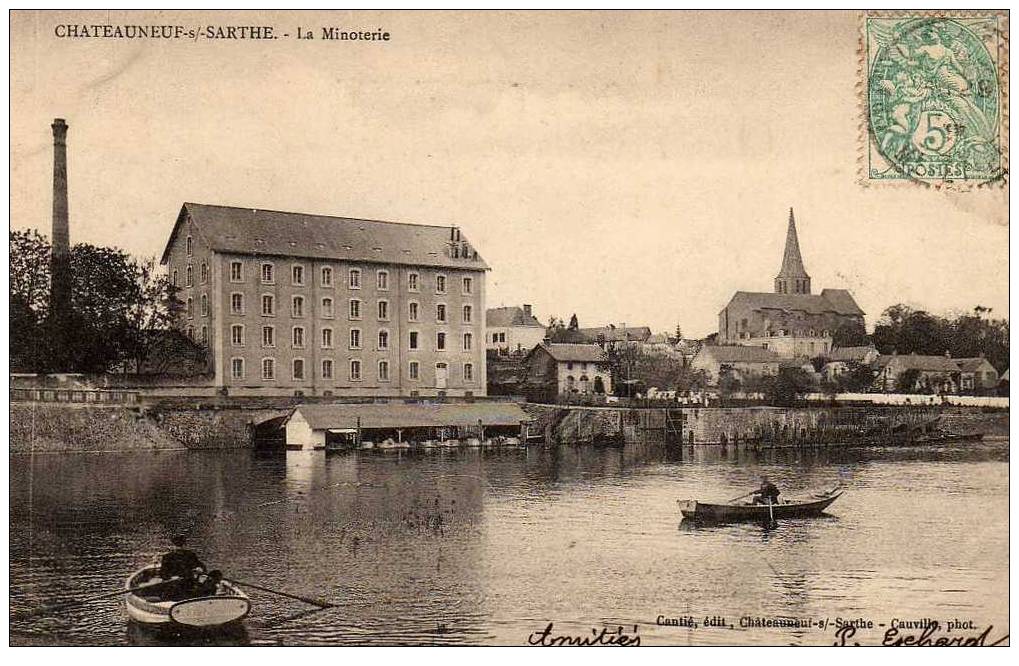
point(791, 321)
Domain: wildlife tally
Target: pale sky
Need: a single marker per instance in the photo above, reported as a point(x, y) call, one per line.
point(628, 167)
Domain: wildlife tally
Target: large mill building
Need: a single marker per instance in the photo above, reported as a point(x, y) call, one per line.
point(289, 302)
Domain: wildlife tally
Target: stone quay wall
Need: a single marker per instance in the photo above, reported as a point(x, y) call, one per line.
point(187, 424)
point(54, 427)
point(754, 426)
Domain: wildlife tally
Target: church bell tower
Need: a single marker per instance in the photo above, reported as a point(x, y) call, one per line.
point(792, 278)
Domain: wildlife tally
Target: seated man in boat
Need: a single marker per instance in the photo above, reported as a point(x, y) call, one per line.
point(767, 493)
point(183, 564)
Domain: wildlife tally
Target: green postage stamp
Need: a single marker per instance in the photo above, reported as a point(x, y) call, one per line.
point(936, 97)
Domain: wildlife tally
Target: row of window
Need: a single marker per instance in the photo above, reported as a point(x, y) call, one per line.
point(297, 338)
point(328, 310)
point(354, 370)
point(268, 276)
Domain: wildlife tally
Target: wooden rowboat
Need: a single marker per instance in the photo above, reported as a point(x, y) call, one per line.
point(731, 513)
point(227, 608)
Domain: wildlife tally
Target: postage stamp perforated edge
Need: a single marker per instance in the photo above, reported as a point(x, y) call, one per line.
point(864, 135)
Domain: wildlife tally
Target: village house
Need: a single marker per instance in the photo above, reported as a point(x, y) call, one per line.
point(791, 321)
point(930, 374)
point(839, 360)
point(659, 344)
point(554, 369)
point(738, 361)
point(297, 304)
point(512, 329)
point(976, 375)
point(612, 336)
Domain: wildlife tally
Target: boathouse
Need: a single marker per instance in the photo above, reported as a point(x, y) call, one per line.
point(403, 425)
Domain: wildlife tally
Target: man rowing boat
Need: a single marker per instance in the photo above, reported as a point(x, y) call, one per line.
point(767, 493)
point(188, 574)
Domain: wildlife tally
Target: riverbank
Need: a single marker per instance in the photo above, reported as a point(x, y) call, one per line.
point(91, 428)
point(82, 428)
point(761, 426)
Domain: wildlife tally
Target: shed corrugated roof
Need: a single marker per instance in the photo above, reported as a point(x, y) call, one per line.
point(510, 316)
point(412, 415)
point(270, 232)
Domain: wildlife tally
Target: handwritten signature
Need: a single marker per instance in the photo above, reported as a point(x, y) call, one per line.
point(927, 638)
point(617, 637)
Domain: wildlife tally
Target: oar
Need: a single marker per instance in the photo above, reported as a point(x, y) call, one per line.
point(742, 496)
point(771, 512)
point(87, 600)
point(307, 600)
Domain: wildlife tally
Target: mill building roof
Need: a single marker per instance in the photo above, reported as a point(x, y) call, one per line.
point(254, 231)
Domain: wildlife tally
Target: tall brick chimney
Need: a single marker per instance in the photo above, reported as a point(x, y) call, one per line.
point(60, 262)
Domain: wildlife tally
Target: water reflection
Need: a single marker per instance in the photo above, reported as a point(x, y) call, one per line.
point(486, 546)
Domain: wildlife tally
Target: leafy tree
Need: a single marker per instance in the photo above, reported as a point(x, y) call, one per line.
point(904, 330)
point(30, 269)
point(785, 388)
point(850, 334)
point(857, 377)
point(117, 307)
point(907, 380)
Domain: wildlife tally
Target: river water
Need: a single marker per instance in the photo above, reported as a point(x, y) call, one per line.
point(488, 547)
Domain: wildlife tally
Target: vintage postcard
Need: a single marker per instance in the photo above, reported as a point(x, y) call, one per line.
point(509, 328)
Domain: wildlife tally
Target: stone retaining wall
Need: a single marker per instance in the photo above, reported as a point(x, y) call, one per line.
point(47, 427)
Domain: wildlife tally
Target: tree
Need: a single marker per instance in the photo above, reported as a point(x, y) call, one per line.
point(907, 381)
point(679, 332)
point(30, 269)
point(855, 378)
point(151, 315)
point(850, 334)
point(728, 382)
point(574, 324)
point(117, 306)
point(904, 330)
point(788, 386)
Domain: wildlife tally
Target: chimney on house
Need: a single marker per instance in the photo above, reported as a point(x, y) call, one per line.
point(527, 310)
point(60, 266)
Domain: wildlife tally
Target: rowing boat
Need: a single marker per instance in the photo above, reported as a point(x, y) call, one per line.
point(148, 608)
point(730, 513)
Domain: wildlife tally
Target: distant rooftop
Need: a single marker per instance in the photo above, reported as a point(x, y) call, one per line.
point(839, 301)
point(582, 353)
point(510, 316)
point(740, 354)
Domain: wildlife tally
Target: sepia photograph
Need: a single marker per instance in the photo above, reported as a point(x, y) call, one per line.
point(508, 328)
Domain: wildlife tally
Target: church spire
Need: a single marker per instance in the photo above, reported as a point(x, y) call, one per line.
point(792, 278)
